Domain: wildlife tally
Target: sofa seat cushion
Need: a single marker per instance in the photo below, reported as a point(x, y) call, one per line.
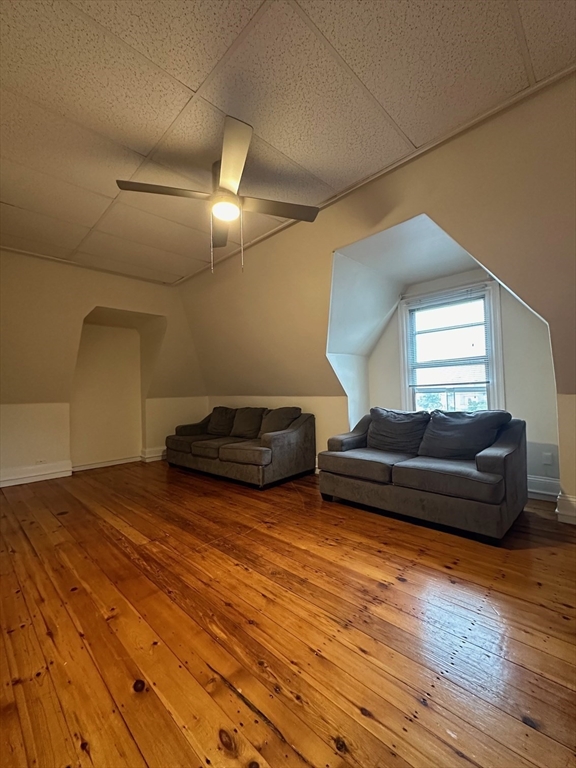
point(183, 443)
point(247, 452)
point(209, 449)
point(364, 463)
point(450, 477)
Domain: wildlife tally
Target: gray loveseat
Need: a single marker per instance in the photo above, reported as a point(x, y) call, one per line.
point(465, 470)
point(255, 445)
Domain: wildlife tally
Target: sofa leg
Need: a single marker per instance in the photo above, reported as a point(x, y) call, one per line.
point(327, 497)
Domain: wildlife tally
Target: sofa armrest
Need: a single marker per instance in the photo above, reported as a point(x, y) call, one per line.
point(293, 449)
point(507, 457)
point(355, 439)
point(193, 429)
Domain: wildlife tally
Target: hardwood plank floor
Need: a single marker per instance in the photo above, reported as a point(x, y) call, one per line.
point(153, 617)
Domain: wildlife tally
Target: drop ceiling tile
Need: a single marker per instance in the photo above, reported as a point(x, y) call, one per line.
point(65, 61)
point(123, 268)
point(39, 139)
point(106, 246)
point(195, 141)
point(190, 213)
point(33, 246)
point(432, 64)
point(37, 226)
point(186, 39)
point(283, 80)
point(550, 29)
point(141, 227)
point(26, 188)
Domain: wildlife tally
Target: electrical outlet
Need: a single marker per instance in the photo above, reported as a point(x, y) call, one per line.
point(546, 458)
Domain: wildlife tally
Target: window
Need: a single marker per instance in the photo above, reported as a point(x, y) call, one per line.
point(452, 353)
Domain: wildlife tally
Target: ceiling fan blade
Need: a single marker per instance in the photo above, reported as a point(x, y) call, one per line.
point(219, 232)
point(277, 208)
point(237, 138)
point(156, 189)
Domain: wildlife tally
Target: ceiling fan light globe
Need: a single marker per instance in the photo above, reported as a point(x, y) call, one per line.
point(225, 210)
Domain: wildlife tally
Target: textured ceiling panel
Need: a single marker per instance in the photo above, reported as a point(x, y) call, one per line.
point(186, 39)
point(33, 246)
point(190, 213)
point(284, 82)
point(36, 226)
point(121, 268)
point(26, 188)
point(32, 136)
point(130, 253)
point(141, 227)
point(550, 29)
point(68, 63)
point(432, 63)
point(195, 142)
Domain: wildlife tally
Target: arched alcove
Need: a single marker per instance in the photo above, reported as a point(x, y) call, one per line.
point(116, 358)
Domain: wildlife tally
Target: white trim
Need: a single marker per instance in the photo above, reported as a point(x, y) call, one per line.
point(543, 488)
point(96, 465)
point(153, 454)
point(491, 290)
point(566, 509)
point(34, 473)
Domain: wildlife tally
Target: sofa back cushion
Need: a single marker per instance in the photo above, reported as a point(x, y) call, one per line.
point(461, 435)
point(247, 422)
point(221, 421)
point(279, 419)
point(399, 431)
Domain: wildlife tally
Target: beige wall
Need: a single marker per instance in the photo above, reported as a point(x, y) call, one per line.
point(43, 305)
point(105, 408)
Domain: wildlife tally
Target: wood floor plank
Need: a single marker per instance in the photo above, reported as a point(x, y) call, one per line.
point(275, 630)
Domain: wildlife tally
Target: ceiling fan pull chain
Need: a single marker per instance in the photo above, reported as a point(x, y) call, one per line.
point(211, 245)
point(242, 237)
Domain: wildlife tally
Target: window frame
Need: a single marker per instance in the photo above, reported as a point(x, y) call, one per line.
point(490, 291)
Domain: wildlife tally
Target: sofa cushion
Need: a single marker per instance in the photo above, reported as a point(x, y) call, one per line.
point(461, 435)
point(364, 463)
point(246, 452)
point(450, 477)
point(209, 449)
point(183, 443)
point(398, 431)
point(247, 422)
point(221, 421)
point(279, 419)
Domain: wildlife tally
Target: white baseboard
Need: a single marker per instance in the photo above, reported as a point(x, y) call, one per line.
point(82, 467)
point(543, 488)
point(34, 473)
point(153, 454)
point(566, 509)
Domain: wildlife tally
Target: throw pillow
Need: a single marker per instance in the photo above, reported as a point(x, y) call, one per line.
point(221, 421)
point(247, 422)
point(461, 435)
point(399, 431)
point(279, 419)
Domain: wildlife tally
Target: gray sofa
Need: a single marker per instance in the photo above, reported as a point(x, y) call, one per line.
point(464, 470)
point(254, 445)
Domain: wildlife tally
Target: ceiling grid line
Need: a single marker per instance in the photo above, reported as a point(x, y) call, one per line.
point(517, 21)
point(349, 71)
point(93, 22)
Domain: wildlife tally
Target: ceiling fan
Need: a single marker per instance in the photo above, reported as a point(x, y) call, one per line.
point(226, 176)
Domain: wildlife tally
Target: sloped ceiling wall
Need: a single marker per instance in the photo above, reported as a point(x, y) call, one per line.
point(504, 191)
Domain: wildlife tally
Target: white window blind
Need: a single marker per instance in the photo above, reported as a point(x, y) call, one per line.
point(450, 361)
